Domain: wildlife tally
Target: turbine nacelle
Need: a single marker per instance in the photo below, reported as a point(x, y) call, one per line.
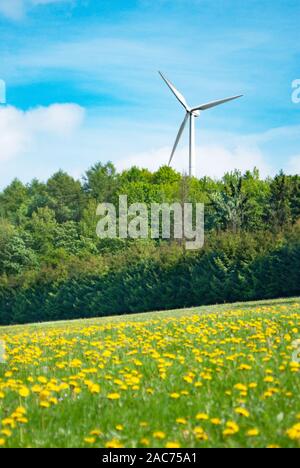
point(191, 113)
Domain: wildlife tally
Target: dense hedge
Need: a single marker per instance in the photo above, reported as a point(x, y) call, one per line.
point(209, 277)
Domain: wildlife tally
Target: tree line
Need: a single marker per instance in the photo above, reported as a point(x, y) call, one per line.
point(53, 266)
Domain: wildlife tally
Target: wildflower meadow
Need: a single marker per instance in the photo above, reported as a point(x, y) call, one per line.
point(221, 376)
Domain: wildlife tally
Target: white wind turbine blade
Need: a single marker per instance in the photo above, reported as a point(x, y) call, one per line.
point(178, 136)
point(203, 107)
point(179, 96)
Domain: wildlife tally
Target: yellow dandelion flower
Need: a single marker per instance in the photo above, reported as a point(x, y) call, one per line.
point(202, 417)
point(8, 422)
point(21, 410)
point(269, 379)
point(24, 392)
point(198, 384)
point(44, 404)
point(42, 379)
point(95, 388)
point(200, 434)
point(216, 421)
point(181, 421)
point(22, 420)
point(113, 396)
point(114, 443)
point(145, 441)
point(242, 412)
point(96, 432)
point(75, 363)
point(241, 387)
point(90, 440)
point(245, 367)
point(188, 379)
point(36, 389)
point(231, 428)
point(294, 432)
point(44, 395)
point(143, 424)
point(172, 445)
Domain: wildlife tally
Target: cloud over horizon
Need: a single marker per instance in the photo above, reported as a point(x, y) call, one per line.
point(211, 160)
point(20, 130)
point(43, 133)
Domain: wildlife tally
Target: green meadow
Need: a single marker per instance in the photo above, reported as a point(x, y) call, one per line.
point(217, 376)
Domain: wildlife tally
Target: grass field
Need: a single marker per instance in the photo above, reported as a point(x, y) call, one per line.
point(221, 376)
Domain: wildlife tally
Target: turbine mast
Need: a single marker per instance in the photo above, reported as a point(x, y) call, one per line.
point(192, 161)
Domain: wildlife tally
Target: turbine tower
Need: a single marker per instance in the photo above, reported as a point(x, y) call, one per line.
point(191, 114)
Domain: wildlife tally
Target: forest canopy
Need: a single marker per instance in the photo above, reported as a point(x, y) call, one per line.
point(53, 265)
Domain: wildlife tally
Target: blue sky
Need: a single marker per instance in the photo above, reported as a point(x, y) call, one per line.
point(82, 84)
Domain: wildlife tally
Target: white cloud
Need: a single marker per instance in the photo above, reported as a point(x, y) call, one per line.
point(294, 164)
point(14, 139)
point(15, 9)
point(58, 119)
point(212, 160)
point(20, 130)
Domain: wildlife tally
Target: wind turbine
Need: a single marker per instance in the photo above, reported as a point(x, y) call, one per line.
point(191, 114)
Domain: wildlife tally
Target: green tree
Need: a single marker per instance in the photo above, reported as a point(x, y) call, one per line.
point(279, 212)
point(135, 174)
point(42, 227)
point(39, 197)
point(295, 198)
point(100, 182)
point(166, 175)
point(11, 200)
point(65, 197)
point(68, 237)
point(16, 257)
point(230, 204)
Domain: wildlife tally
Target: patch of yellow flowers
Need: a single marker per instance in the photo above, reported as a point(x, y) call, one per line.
point(218, 379)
